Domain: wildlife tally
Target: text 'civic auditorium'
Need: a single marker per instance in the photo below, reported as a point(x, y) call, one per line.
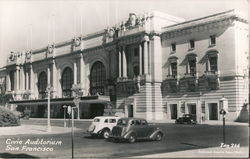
point(155, 66)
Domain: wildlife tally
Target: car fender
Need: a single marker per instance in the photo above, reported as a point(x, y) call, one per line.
point(152, 136)
point(100, 131)
point(126, 136)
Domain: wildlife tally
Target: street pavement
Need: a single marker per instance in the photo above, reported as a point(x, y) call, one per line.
point(180, 141)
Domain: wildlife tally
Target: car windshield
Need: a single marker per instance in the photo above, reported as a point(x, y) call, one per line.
point(96, 120)
point(122, 122)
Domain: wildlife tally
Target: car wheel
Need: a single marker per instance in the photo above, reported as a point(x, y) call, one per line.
point(132, 138)
point(106, 134)
point(158, 136)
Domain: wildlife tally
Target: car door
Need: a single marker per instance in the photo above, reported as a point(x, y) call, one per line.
point(147, 129)
point(136, 127)
point(112, 123)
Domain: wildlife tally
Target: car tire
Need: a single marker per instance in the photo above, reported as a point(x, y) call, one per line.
point(132, 138)
point(158, 136)
point(106, 133)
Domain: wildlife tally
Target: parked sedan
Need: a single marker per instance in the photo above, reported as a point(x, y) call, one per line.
point(102, 126)
point(132, 129)
point(186, 119)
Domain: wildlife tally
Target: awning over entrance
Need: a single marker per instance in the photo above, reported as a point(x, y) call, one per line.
point(85, 99)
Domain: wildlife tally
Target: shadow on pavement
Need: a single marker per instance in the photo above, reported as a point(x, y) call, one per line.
point(20, 155)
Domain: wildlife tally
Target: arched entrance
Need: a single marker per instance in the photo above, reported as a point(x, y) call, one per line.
point(42, 85)
point(97, 79)
point(67, 82)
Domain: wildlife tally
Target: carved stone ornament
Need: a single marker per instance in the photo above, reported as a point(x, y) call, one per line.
point(12, 56)
point(28, 54)
point(110, 32)
point(132, 19)
point(77, 42)
point(50, 48)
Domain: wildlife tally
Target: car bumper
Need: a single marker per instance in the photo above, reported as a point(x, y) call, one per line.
point(93, 133)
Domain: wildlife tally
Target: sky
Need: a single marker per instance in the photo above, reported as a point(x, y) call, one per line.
point(33, 24)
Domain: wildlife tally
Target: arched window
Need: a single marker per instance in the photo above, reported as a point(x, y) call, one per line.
point(42, 85)
point(67, 82)
point(97, 79)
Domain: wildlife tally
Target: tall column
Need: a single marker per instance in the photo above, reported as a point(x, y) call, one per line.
point(145, 53)
point(54, 77)
point(187, 68)
point(82, 71)
point(124, 62)
point(48, 75)
point(8, 87)
point(27, 80)
point(119, 62)
point(218, 64)
point(17, 82)
point(140, 59)
point(196, 67)
point(32, 79)
point(208, 64)
point(75, 72)
point(22, 78)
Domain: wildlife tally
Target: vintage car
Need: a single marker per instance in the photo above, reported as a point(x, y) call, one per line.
point(102, 126)
point(132, 129)
point(186, 119)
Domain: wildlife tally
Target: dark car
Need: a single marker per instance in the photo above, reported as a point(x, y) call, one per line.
point(186, 119)
point(132, 129)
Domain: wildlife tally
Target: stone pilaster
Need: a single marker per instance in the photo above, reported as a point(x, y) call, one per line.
point(140, 59)
point(82, 71)
point(124, 62)
point(27, 79)
point(145, 53)
point(48, 75)
point(17, 81)
point(156, 54)
point(32, 82)
point(119, 62)
point(75, 72)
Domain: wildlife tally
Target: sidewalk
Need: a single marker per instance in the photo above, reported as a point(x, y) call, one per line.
point(207, 122)
point(215, 152)
point(33, 129)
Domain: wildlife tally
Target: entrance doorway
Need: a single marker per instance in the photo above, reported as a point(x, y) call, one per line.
point(192, 110)
point(213, 111)
point(41, 111)
point(96, 109)
point(130, 110)
point(173, 110)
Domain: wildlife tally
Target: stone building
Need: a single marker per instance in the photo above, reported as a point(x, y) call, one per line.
point(154, 66)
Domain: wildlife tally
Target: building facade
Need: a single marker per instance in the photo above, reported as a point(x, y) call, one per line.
point(155, 66)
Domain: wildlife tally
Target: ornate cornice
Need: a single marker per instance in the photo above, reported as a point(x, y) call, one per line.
point(204, 24)
point(179, 32)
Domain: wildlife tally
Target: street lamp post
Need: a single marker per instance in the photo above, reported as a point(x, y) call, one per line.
point(78, 91)
point(72, 129)
point(64, 115)
point(49, 91)
point(223, 110)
